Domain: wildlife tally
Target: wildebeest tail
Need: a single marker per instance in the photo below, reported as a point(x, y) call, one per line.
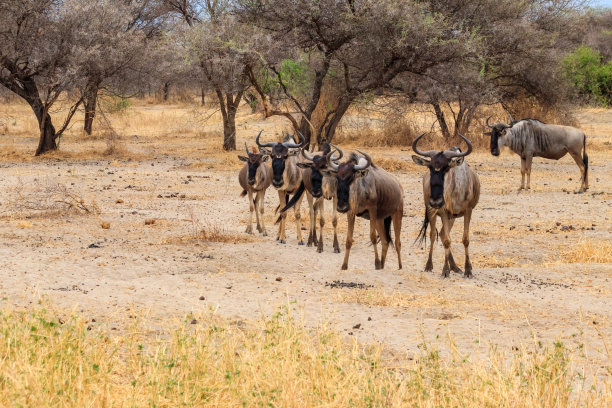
point(585, 158)
point(387, 223)
point(422, 237)
point(291, 203)
point(244, 192)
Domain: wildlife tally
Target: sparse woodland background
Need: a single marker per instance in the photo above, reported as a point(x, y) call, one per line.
point(309, 61)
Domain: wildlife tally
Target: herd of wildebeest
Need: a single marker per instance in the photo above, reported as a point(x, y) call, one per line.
point(360, 188)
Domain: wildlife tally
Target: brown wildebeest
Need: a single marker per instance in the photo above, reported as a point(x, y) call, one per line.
point(451, 190)
point(254, 178)
point(318, 187)
point(531, 138)
point(286, 178)
point(366, 190)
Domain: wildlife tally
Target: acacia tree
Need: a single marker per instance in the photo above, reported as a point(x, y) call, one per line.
point(350, 48)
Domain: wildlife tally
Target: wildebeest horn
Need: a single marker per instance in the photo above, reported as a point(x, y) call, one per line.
point(488, 122)
point(511, 120)
point(307, 155)
point(246, 148)
point(340, 153)
point(451, 154)
point(429, 153)
point(270, 144)
point(330, 163)
point(365, 166)
point(293, 145)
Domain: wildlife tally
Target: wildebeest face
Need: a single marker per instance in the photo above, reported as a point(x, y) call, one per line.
point(438, 166)
point(497, 133)
point(253, 161)
point(345, 176)
point(317, 166)
point(279, 155)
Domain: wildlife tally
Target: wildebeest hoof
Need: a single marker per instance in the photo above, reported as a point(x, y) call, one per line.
point(445, 273)
point(249, 230)
point(344, 267)
point(277, 238)
point(280, 241)
point(265, 234)
point(377, 265)
point(468, 274)
point(301, 243)
point(259, 229)
point(336, 250)
point(429, 266)
point(580, 191)
point(320, 248)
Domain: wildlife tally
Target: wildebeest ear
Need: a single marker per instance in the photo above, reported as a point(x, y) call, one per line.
point(242, 158)
point(264, 158)
point(304, 165)
point(457, 161)
point(264, 150)
point(420, 161)
point(328, 172)
point(488, 133)
point(294, 152)
point(362, 173)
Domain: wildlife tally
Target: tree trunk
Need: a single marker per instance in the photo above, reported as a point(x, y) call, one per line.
point(330, 129)
point(229, 108)
point(441, 121)
point(202, 95)
point(91, 99)
point(166, 90)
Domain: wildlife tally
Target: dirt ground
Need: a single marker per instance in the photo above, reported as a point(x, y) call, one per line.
point(533, 275)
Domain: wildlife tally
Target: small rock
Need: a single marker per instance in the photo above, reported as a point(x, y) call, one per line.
point(202, 298)
point(94, 246)
point(194, 321)
point(105, 224)
point(150, 221)
point(119, 201)
point(357, 326)
point(279, 279)
point(369, 319)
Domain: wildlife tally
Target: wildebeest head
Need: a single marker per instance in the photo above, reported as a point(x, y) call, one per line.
point(439, 164)
point(497, 133)
point(253, 160)
point(317, 163)
point(346, 173)
point(279, 153)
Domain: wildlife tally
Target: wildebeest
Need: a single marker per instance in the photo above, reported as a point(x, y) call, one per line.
point(531, 138)
point(451, 190)
point(366, 190)
point(318, 188)
point(254, 178)
point(286, 178)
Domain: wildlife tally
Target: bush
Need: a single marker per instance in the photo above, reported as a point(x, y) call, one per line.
point(586, 70)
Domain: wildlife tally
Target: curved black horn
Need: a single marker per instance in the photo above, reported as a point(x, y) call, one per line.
point(307, 155)
point(365, 166)
point(429, 153)
point(450, 154)
point(330, 163)
point(488, 122)
point(340, 153)
point(247, 149)
point(511, 120)
point(294, 145)
point(270, 144)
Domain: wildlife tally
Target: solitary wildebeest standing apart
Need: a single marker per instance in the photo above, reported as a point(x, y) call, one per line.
point(319, 187)
point(531, 138)
point(451, 190)
point(365, 190)
point(255, 177)
point(286, 178)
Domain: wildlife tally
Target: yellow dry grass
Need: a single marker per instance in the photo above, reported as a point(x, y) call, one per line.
point(205, 361)
point(590, 251)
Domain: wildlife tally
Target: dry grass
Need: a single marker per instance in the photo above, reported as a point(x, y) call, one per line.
point(493, 261)
point(588, 252)
point(206, 361)
point(381, 298)
point(208, 232)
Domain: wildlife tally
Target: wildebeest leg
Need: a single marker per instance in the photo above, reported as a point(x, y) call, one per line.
point(374, 241)
point(317, 211)
point(350, 218)
point(321, 205)
point(260, 204)
point(257, 218)
point(432, 238)
point(528, 161)
point(280, 237)
point(580, 163)
point(298, 219)
point(384, 242)
point(249, 228)
point(451, 260)
point(313, 217)
point(523, 171)
point(466, 242)
point(335, 224)
point(397, 227)
point(445, 233)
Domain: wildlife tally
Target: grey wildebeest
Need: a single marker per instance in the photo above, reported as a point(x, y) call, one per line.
point(451, 190)
point(367, 191)
point(318, 187)
point(531, 138)
point(286, 178)
point(254, 178)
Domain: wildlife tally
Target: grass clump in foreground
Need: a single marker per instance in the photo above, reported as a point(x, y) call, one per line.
point(275, 362)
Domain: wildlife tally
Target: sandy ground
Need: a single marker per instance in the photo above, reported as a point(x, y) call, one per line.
point(524, 286)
